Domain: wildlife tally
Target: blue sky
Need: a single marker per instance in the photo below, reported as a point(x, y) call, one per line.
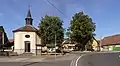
point(105, 13)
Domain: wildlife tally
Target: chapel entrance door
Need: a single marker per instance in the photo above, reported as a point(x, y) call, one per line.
point(27, 46)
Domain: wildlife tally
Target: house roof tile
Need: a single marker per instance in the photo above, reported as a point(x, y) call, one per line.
point(26, 28)
point(111, 40)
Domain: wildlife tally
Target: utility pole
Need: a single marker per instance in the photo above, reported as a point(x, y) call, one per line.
point(100, 43)
point(3, 37)
point(3, 40)
point(55, 45)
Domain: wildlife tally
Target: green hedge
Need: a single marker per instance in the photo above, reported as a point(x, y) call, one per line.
point(116, 48)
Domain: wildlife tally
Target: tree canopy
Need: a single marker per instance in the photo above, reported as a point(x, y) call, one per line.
point(49, 27)
point(81, 29)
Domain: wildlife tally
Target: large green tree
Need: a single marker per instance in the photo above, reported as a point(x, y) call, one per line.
point(49, 27)
point(81, 29)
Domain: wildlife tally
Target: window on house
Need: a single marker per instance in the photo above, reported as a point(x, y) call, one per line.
point(27, 36)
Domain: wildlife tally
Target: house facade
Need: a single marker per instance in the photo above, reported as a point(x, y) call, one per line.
point(26, 37)
point(3, 38)
point(111, 43)
point(95, 45)
point(68, 45)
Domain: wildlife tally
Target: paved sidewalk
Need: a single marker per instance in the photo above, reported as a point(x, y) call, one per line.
point(28, 58)
point(21, 59)
point(47, 58)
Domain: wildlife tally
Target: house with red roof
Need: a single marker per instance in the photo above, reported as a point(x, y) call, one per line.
point(111, 43)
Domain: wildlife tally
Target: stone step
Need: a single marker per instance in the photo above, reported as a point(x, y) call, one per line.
point(8, 53)
point(13, 54)
point(27, 54)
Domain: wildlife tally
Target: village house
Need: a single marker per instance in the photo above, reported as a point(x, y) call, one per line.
point(68, 46)
point(72, 46)
point(95, 45)
point(111, 43)
point(4, 42)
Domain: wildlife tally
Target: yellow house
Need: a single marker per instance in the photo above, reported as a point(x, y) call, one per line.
point(95, 45)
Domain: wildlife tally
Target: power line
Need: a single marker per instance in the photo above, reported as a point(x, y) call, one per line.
point(55, 7)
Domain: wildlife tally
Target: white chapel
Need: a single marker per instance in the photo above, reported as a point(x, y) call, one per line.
point(26, 37)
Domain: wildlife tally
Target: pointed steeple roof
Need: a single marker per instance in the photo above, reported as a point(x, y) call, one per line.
point(29, 14)
point(28, 26)
point(29, 18)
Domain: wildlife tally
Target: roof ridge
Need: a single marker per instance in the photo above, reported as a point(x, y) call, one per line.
point(112, 35)
point(114, 39)
point(26, 28)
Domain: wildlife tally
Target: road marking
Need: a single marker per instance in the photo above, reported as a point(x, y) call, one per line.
point(71, 64)
point(77, 60)
point(73, 61)
point(119, 56)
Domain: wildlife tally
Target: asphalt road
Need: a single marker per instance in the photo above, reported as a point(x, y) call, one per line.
point(90, 59)
point(58, 63)
point(49, 61)
point(100, 59)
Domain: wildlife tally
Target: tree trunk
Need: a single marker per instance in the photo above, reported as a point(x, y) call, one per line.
point(83, 47)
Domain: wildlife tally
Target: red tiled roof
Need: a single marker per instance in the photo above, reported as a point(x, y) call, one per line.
point(26, 28)
point(111, 40)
